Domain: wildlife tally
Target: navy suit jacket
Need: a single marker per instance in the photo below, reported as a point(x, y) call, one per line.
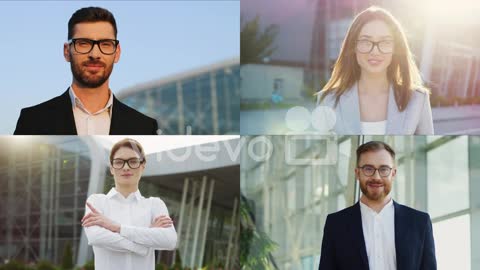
point(55, 117)
point(343, 245)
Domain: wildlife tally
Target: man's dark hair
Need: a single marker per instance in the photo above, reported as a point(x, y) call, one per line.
point(374, 146)
point(91, 14)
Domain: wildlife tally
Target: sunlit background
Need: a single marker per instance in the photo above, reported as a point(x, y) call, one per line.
point(46, 180)
point(290, 201)
point(305, 37)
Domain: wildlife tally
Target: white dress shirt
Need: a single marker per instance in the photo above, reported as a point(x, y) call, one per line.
point(88, 123)
point(132, 248)
point(374, 128)
point(379, 235)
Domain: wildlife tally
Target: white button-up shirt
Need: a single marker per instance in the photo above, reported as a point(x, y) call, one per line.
point(132, 248)
point(88, 123)
point(379, 235)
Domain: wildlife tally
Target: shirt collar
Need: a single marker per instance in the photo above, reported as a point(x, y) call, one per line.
point(388, 207)
point(76, 102)
point(113, 192)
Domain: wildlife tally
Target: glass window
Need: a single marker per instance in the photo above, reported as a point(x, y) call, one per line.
point(344, 150)
point(448, 177)
point(307, 187)
point(452, 243)
point(432, 172)
point(307, 263)
point(399, 189)
point(291, 193)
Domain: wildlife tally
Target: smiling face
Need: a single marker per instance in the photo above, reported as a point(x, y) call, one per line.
point(376, 187)
point(92, 69)
point(127, 176)
point(376, 60)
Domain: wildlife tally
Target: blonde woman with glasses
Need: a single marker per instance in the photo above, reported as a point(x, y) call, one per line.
point(375, 87)
point(124, 227)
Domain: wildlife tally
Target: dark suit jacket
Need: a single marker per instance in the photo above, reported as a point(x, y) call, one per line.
point(343, 245)
point(55, 117)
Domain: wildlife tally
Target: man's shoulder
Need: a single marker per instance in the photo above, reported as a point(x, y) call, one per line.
point(45, 106)
point(132, 113)
point(345, 213)
point(414, 213)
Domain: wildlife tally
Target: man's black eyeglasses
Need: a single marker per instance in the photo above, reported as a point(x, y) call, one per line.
point(85, 45)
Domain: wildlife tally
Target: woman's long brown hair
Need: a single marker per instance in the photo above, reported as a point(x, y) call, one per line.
point(402, 73)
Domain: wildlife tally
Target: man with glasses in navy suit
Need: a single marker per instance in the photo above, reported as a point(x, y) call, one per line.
point(88, 107)
point(377, 233)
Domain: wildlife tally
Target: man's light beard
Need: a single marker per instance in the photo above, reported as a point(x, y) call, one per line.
point(371, 196)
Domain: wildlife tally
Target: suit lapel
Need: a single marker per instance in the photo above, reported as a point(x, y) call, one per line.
point(350, 111)
point(356, 230)
point(115, 125)
point(401, 236)
point(394, 116)
point(65, 120)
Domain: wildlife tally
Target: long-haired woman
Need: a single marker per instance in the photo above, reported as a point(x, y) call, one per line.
point(375, 87)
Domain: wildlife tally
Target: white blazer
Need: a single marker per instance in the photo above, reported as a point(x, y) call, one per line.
point(415, 119)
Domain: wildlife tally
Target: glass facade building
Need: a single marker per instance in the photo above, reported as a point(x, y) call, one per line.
point(46, 180)
point(201, 101)
point(294, 182)
point(44, 188)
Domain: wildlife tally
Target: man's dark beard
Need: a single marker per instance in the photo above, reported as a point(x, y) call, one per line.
point(86, 81)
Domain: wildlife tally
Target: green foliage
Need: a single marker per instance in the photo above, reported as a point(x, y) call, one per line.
point(309, 91)
point(67, 259)
point(161, 267)
point(214, 265)
point(90, 265)
point(45, 265)
point(254, 44)
point(255, 245)
point(13, 265)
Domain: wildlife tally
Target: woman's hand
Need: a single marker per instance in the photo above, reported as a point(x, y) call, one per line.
point(95, 218)
point(162, 222)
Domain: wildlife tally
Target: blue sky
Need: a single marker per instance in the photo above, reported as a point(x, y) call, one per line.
point(159, 38)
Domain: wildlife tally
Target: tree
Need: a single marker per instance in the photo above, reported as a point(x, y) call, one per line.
point(67, 259)
point(254, 44)
point(255, 245)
